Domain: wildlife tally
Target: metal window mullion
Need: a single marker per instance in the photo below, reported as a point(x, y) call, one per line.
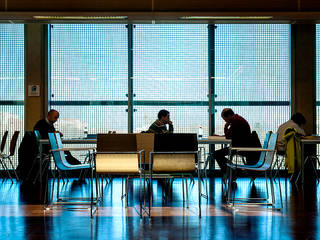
point(211, 94)
point(130, 78)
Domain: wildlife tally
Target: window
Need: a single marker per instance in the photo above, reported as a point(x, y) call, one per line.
point(252, 74)
point(12, 81)
point(89, 77)
point(170, 69)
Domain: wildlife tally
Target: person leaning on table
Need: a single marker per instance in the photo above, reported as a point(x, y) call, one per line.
point(159, 126)
point(45, 126)
point(296, 122)
point(238, 130)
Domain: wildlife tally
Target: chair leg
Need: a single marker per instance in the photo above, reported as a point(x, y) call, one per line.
point(265, 176)
point(91, 202)
point(4, 165)
point(186, 180)
point(102, 193)
point(314, 168)
point(230, 186)
point(183, 191)
point(14, 170)
point(54, 179)
point(127, 190)
point(151, 191)
point(199, 192)
point(272, 191)
point(58, 185)
point(281, 204)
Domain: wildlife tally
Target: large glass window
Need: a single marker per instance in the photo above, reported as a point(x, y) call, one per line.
point(11, 81)
point(252, 74)
point(89, 77)
point(169, 69)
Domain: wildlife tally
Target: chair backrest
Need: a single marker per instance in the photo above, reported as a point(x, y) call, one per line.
point(264, 146)
point(175, 161)
point(58, 156)
point(116, 143)
point(3, 141)
point(13, 142)
point(175, 142)
point(37, 134)
point(271, 146)
point(113, 153)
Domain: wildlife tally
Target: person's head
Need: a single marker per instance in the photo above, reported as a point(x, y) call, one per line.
point(227, 114)
point(164, 116)
point(298, 118)
point(53, 116)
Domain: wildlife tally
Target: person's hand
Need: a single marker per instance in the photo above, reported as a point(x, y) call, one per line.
point(61, 135)
point(170, 123)
point(227, 125)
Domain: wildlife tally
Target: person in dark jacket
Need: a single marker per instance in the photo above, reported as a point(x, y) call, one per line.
point(238, 130)
point(45, 126)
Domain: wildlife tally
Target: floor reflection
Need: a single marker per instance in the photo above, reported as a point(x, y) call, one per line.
point(22, 217)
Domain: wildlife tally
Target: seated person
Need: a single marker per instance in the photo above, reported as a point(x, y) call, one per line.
point(238, 130)
point(159, 126)
point(296, 121)
point(45, 126)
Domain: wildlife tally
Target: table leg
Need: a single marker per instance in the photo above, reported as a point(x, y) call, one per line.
point(302, 163)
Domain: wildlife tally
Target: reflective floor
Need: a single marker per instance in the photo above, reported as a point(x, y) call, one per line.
point(22, 217)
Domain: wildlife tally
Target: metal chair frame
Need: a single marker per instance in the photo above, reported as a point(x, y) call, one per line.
point(265, 167)
point(61, 164)
point(141, 174)
point(4, 157)
point(173, 174)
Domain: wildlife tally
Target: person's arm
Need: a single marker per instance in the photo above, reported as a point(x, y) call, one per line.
point(227, 130)
point(170, 127)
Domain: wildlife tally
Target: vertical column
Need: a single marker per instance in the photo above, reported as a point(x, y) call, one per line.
point(303, 83)
point(130, 78)
point(211, 81)
point(36, 73)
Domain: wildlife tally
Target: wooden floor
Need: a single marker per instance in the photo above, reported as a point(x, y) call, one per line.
point(22, 217)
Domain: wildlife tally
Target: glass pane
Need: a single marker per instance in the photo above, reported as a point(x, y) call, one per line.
point(98, 119)
point(252, 62)
point(12, 82)
point(170, 62)
point(89, 77)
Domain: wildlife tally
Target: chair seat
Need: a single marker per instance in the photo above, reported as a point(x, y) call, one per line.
point(117, 163)
point(76, 167)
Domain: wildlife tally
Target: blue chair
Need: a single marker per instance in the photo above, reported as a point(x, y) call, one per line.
point(268, 156)
point(61, 164)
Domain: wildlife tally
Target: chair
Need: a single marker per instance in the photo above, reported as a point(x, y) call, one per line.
point(175, 155)
point(265, 168)
point(3, 144)
point(61, 164)
point(12, 149)
point(117, 154)
point(45, 158)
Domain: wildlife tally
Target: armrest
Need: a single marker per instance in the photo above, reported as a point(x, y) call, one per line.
point(248, 149)
point(71, 149)
point(122, 152)
point(180, 152)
